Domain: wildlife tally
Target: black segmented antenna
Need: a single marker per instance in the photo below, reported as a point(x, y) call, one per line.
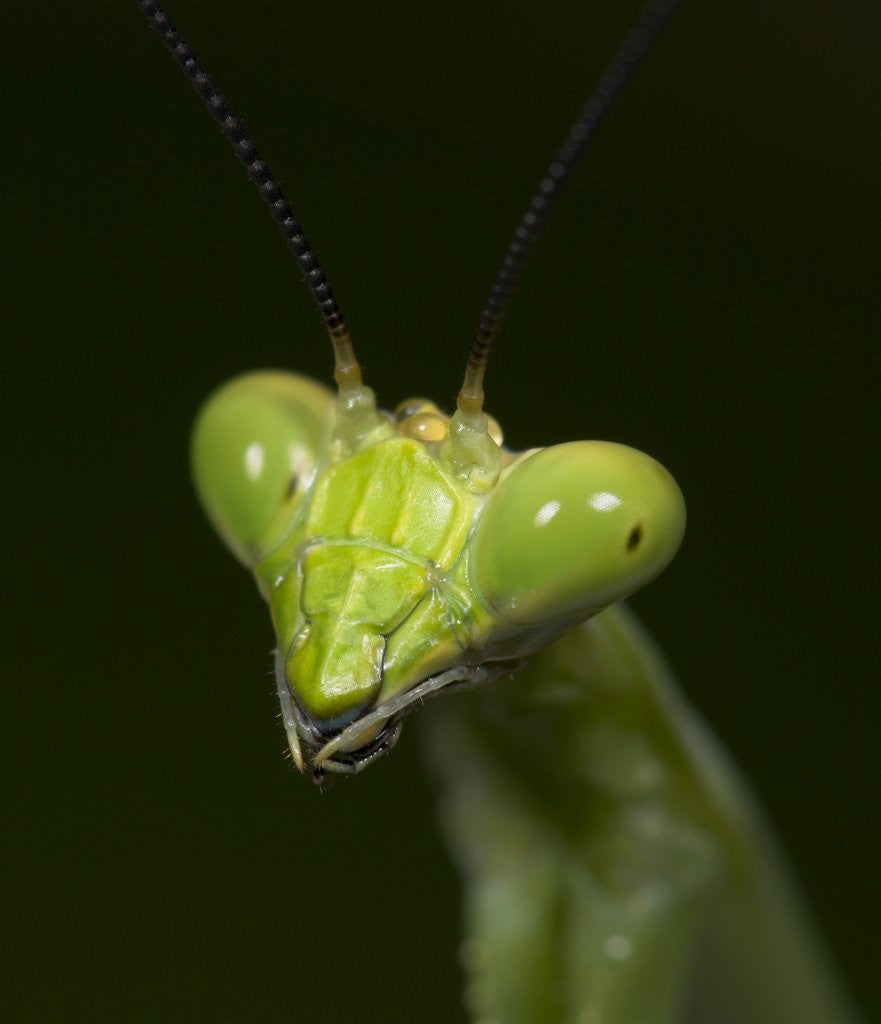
point(346, 369)
point(637, 41)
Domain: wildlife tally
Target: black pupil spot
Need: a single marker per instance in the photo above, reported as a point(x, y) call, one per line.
point(291, 488)
point(634, 538)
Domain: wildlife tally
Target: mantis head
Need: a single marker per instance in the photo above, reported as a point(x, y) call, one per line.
point(393, 570)
point(404, 555)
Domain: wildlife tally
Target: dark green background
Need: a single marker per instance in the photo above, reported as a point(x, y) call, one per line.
point(708, 292)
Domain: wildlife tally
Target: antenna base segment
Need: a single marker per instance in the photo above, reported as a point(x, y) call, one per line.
point(469, 453)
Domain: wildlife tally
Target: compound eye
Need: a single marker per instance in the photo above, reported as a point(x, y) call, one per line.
point(572, 529)
point(255, 445)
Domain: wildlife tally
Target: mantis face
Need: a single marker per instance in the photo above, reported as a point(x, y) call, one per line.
point(390, 574)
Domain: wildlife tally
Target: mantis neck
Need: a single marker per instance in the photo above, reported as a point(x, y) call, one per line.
point(616, 869)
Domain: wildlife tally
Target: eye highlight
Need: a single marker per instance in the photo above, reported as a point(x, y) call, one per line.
point(634, 538)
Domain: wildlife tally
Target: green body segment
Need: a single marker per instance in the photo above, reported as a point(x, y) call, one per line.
point(616, 868)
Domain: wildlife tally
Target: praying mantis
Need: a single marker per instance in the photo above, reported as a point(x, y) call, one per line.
point(607, 847)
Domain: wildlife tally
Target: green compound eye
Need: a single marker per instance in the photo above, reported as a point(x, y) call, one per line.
point(254, 445)
point(573, 529)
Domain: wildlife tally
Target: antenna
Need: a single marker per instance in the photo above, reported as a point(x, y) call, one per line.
point(347, 370)
point(631, 51)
